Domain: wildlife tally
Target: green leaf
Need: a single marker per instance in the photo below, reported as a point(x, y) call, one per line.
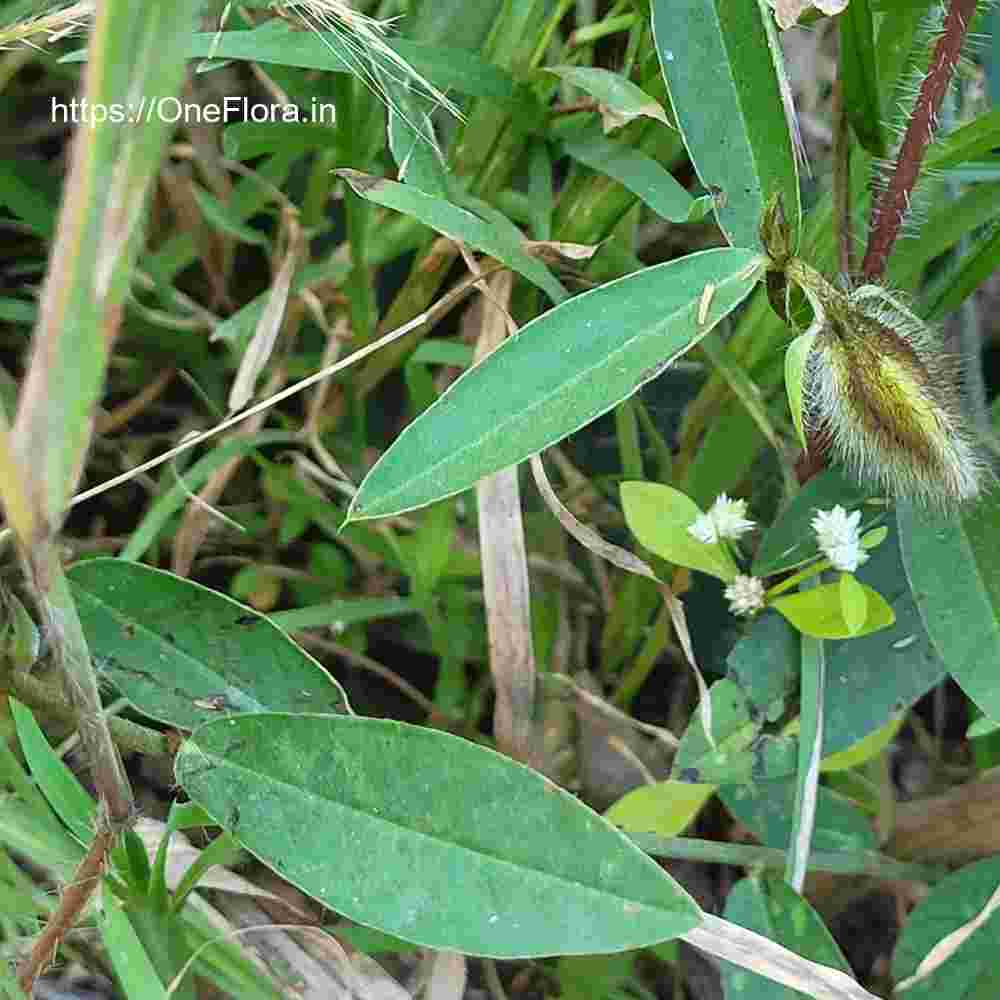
point(561, 371)
point(221, 217)
point(613, 90)
point(872, 678)
point(666, 808)
point(246, 140)
point(659, 517)
point(476, 853)
point(27, 195)
point(766, 809)
point(634, 170)
point(953, 565)
point(976, 265)
point(183, 654)
point(853, 602)
point(796, 357)
point(791, 540)
point(274, 42)
point(969, 142)
point(859, 75)
point(63, 791)
point(771, 907)
point(952, 903)
point(724, 56)
point(132, 964)
point(458, 223)
point(733, 730)
point(818, 612)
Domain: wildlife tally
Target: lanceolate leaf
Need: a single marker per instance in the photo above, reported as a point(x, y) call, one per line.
point(475, 853)
point(560, 372)
point(717, 54)
point(953, 565)
point(185, 654)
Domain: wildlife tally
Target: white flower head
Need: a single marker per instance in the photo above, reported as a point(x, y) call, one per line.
point(725, 519)
point(745, 595)
point(839, 538)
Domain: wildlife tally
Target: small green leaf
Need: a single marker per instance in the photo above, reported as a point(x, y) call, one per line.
point(616, 92)
point(796, 358)
point(853, 602)
point(659, 517)
point(477, 853)
point(506, 243)
point(864, 750)
point(666, 808)
point(818, 612)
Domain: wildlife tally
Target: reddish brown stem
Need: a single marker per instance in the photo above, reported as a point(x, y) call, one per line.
point(86, 879)
point(892, 206)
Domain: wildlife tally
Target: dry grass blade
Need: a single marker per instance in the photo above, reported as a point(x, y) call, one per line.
point(505, 573)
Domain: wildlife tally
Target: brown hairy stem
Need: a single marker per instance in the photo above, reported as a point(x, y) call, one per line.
point(892, 206)
point(85, 880)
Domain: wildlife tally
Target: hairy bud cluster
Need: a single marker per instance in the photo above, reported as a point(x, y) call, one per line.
point(882, 389)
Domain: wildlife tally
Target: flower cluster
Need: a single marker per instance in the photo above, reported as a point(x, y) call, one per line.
point(725, 519)
point(839, 538)
point(745, 595)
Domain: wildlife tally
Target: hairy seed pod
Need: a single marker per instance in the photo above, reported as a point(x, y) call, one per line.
point(881, 388)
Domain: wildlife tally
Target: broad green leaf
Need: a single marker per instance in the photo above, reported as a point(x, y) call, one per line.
point(951, 904)
point(766, 809)
point(732, 729)
point(561, 371)
point(765, 665)
point(796, 357)
point(791, 540)
point(659, 517)
point(634, 170)
point(853, 603)
point(818, 612)
point(185, 654)
point(666, 808)
point(953, 565)
point(618, 94)
point(859, 75)
point(771, 907)
point(475, 852)
point(872, 678)
point(724, 56)
point(459, 224)
point(864, 750)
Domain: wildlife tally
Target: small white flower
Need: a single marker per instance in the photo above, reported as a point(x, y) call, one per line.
point(839, 538)
point(725, 519)
point(745, 595)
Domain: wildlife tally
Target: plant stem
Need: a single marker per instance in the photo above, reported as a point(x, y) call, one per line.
point(894, 203)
